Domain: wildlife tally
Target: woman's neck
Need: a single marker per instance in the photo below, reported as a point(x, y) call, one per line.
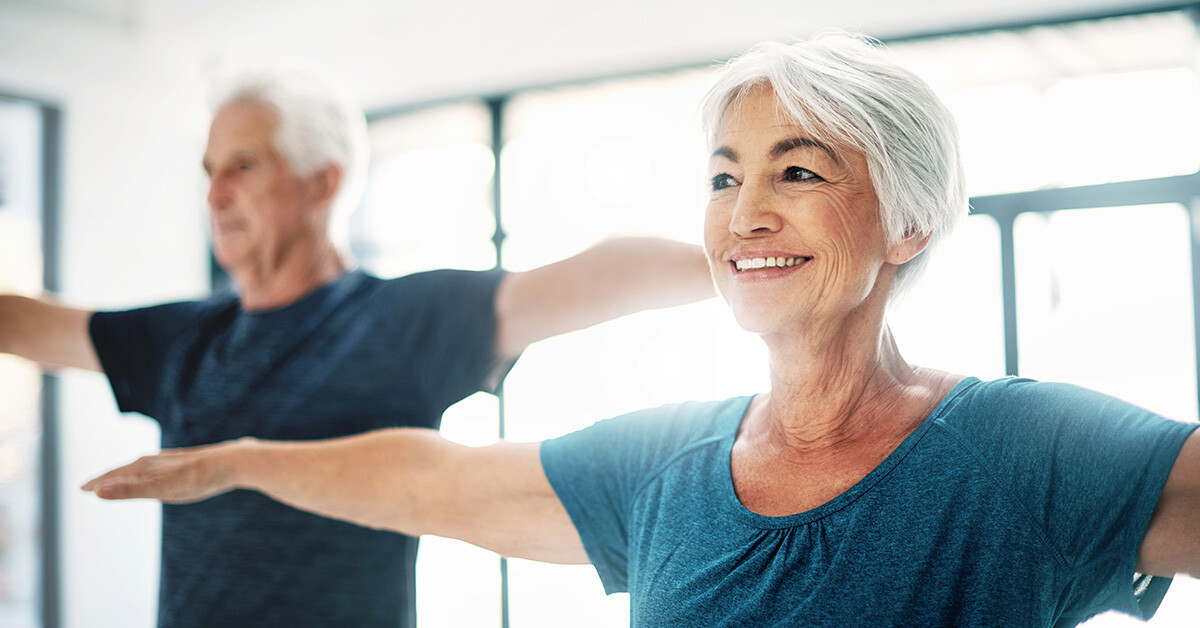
point(833, 389)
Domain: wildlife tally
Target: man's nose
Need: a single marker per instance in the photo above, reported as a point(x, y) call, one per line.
point(218, 193)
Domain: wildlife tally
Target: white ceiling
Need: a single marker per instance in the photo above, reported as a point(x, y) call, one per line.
point(392, 51)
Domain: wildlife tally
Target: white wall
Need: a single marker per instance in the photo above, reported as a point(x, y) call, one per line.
point(130, 77)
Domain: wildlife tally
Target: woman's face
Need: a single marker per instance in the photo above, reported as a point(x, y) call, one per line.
point(792, 230)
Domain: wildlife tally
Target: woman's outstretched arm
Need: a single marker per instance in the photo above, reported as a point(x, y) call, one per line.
point(408, 480)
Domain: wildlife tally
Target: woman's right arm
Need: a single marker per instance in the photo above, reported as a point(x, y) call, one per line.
point(407, 480)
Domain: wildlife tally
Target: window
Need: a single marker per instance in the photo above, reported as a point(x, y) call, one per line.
point(22, 474)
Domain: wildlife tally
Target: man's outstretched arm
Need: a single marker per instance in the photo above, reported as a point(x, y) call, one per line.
point(407, 480)
point(49, 334)
point(611, 279)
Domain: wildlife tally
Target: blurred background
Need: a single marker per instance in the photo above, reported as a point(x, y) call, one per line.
point(518, 132)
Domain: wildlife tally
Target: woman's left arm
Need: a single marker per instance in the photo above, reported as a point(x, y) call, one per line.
point(1172, 542)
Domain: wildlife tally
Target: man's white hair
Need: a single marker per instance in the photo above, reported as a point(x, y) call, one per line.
point(318, 123)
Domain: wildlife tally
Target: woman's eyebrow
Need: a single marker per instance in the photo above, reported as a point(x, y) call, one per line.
point(727, 153)
point(782, 147)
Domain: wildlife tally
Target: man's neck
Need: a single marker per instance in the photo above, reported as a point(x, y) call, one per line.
point(267, 287)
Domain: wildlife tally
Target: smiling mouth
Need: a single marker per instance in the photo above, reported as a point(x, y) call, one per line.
point(755, 263)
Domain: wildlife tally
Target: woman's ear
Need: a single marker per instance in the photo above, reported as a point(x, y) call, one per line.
point(908, 248)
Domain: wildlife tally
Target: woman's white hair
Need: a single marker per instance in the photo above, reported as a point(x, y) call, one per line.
point(845, 90)
point(318, 124)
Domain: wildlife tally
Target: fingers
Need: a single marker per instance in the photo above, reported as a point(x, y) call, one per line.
point(125, 482)
point(167, 477)
point(115, 489)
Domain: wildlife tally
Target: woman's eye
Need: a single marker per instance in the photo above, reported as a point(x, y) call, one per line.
point(796, 173)
point(722, 181)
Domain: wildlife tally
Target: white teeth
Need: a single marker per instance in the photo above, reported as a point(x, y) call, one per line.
point(767, 262)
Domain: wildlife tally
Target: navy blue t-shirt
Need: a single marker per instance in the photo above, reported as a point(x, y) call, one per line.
point(358, 354)
point(1015, 503)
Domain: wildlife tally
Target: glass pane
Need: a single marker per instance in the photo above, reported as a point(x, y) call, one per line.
point(992, 144)
point(20, 381)
point(581, 164)
point(427, 206)
point(1104, 300)
point(1122, 127)
point(1070, 104)
point(953, 320)
point(585, 162)
point(428, 202)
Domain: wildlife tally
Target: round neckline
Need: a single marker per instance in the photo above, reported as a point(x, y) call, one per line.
point(842, 500)
point(343, 282)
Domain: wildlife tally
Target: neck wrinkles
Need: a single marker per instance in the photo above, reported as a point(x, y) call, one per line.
point(293, 274)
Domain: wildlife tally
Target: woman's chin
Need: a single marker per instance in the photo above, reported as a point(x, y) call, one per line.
point(757, 321)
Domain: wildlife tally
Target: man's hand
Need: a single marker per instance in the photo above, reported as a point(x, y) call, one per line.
point(175, 476)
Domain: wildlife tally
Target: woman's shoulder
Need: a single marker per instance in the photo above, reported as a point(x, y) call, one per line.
point(660, 432)
point(1009, 395)
point(1036, 412)
point(689, 419)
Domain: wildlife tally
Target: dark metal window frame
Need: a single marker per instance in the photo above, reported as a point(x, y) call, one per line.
point(1005, 208)
point(49, 214)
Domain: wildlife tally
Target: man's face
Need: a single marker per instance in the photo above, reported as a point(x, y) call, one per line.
point(259, 209)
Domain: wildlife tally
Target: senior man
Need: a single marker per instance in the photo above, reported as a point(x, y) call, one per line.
point(309, 348)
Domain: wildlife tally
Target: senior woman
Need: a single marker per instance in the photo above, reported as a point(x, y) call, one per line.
point(860, 490)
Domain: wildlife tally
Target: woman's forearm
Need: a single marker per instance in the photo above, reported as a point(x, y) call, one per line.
point(380, 479)
point(407, 480)
point(377, 479)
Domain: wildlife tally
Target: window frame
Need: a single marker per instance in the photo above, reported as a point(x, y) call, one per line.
point(49, 467)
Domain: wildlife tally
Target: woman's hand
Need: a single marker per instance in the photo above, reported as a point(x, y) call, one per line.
point(175, 476)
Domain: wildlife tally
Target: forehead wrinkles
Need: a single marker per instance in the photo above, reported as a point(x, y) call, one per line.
point(798, 125)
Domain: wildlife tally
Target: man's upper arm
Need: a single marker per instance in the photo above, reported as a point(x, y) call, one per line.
point(1172, 542)
point(52, 335)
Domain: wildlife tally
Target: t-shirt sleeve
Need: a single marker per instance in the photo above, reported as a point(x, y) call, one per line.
point(455, 354)
point(133, 346)
point(597, 472)
point(1100, 467)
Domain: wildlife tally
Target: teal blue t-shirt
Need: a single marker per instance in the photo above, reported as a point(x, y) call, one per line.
point(1015, 503)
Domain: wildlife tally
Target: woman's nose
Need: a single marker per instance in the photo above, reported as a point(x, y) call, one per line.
point(755, 213)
